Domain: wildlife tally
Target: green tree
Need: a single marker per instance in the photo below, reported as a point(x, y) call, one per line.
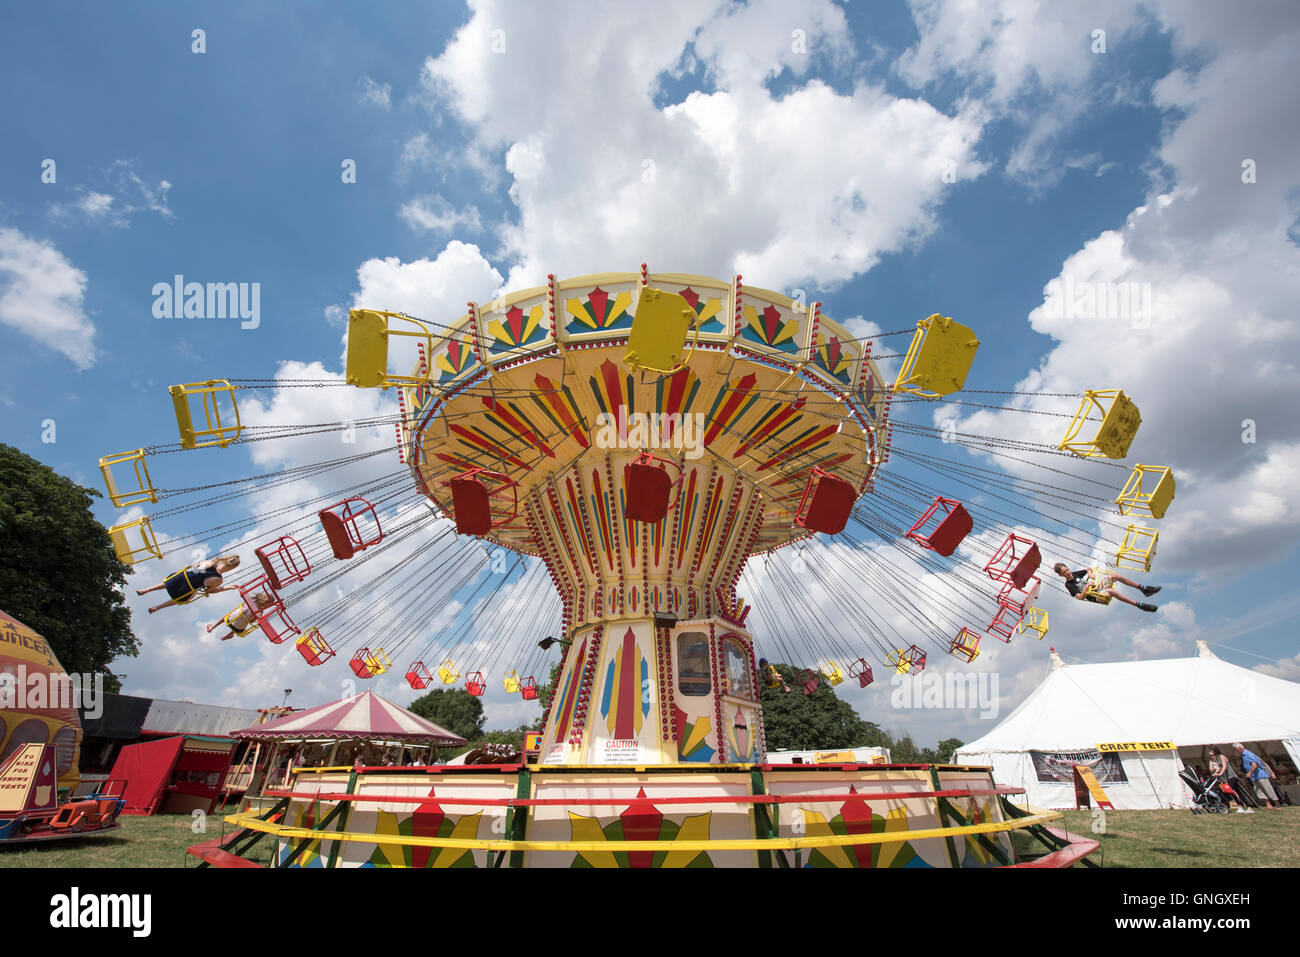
point(455, 709)
point(544, 695)
point(59, 574)
point(794, 721)
point(905, 751)
point(946, 749)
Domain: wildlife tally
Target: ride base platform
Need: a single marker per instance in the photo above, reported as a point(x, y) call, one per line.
point(738, 815)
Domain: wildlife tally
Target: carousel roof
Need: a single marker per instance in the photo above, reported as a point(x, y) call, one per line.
point(364, 715)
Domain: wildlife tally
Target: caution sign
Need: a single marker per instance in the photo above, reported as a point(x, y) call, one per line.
point(1087, 789)
point(1138, 746)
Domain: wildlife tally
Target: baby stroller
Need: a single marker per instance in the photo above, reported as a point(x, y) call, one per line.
point(1206, 797)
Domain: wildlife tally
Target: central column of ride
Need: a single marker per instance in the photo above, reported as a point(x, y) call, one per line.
point(658, 667)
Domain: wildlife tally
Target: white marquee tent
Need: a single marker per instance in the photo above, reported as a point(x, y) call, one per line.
point(1193, 702)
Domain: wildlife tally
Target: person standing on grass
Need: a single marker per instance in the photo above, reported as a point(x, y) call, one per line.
point(1258, 773)
point(1221, 773)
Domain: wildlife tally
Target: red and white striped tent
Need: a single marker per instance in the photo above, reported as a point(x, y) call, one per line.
point(363, 716)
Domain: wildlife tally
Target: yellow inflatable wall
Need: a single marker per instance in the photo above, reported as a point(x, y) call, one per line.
point(24, 653)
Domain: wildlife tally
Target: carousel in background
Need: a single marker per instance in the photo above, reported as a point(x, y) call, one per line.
point(634, 439)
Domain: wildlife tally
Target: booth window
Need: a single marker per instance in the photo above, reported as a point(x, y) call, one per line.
point(694, 677)
point(737, 665)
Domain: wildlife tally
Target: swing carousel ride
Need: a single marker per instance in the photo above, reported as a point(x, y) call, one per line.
point(633, 440)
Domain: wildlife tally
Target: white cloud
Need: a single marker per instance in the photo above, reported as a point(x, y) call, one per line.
point(377, 94)
point(430, 288)
point(812, 187)
point(42, 296)
point(417, 152)
point(130, 194)
point(1030, 60)
point(1287, 668)
point(1218, 345)
point(95, 204)
point(435, 214)
point(142, 194)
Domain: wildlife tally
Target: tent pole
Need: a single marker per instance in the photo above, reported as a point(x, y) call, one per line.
point(268, 778)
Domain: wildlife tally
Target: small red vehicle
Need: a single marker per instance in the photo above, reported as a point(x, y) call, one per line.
point(29, 808)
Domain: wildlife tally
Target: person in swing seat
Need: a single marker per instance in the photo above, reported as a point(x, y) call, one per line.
point(244, 618)
point(1090, 584)
point(768, 674)
point(205, 577)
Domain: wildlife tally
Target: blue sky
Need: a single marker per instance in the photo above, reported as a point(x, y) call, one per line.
point(478, 170)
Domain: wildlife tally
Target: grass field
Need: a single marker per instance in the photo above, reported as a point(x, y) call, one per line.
point(157, 841)
point(1183, 839)
point(1129, 839)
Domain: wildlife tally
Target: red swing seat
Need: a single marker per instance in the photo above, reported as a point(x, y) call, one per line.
point(648, 488)
point(283, 561)
point(1015, 561)
point(827, 503)
point(965, 645)
point(862, 671)
point(368, 664)
point(528, 688)
point(475, 684)
point(952, 528)
point(811, 681)
point(249, 591)
point(418, 676)
point(1018, 599)
point(1005, 622)
point(313, 647)
point(276, 624)
point(471, 501)
point(348, 528)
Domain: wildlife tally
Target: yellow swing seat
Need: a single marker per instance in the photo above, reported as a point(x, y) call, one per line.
point(128, 552)
point(448, 673)
point(216, 431)
point(834, 674)
point(378, 662)
point(250, 621)
point(1100, 581)
point(143, 490)
point(658, 336)
point(1119, 424)
point(1035, 620)
point(369, 333)
point(938, 359)
point(512, 682)
point(904, 660)
point(1148, 491)
point(1138, 548)
point(965, 645)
